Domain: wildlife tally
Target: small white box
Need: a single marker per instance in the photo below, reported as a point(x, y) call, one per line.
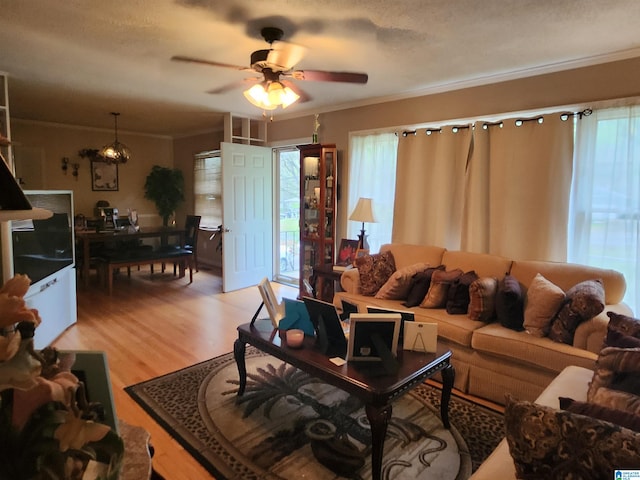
point(420, 336)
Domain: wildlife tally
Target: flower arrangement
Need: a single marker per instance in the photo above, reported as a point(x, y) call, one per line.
point(48, 429)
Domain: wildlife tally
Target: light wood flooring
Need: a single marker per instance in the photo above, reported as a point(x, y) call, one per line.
point(157, 324)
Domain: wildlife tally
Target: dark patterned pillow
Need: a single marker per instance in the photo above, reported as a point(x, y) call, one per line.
point(619, 339)
point(550, 444)
point(482, 299)
point(619, 417)
point(582, 302)
point(510, 303)
point(624, 324)
point(458, 301)
point(615, 379)
point(438, 292)
point(374, 271)
point(420, 286)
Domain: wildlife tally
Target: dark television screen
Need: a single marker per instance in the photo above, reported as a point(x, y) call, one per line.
point(43, 247)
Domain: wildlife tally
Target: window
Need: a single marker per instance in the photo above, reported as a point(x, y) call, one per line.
point(604, 229)
point(208, 188)
point(372, 174)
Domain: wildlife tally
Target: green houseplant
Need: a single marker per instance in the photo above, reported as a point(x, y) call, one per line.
point(165, 187)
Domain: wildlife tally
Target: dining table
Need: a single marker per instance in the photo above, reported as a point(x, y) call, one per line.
point(122, 237)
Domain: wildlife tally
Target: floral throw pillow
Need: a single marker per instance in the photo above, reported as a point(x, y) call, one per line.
point(550, 444)
point(374, 271)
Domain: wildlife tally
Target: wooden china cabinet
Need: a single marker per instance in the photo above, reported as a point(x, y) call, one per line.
point(318, 171)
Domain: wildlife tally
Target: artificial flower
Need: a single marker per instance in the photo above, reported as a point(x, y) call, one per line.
point(61, 388)
point(9, 345)
point(75, 432)
point(16, 286)
point(21, 370)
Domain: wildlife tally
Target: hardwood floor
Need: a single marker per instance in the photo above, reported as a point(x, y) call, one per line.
point(153, 325)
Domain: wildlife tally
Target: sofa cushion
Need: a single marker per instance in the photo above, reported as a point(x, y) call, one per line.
point(543, 300)
point(420, 286)
point(520, 347)
point(399, 283)
point(619, 417)
point(583, 301)
point(374, 271)
point(458, 301)
point(546, 443)
point(482, 299)
point(484, 264)
point(624, 324)
point(407, 254)
point(438, 292)
point(510, 303)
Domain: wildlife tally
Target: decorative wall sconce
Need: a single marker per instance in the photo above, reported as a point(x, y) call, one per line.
point(74, 166)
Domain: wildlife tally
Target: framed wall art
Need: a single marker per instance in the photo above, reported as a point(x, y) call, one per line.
point(104, 177)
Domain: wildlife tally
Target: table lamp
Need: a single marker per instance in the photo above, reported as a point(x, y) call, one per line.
point(363, 213)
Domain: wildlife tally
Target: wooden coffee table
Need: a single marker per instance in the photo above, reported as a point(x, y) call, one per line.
point(376, 389)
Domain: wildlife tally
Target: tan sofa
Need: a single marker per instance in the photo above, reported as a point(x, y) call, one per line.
point(491, 360)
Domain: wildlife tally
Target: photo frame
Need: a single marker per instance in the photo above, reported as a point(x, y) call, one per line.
point(347, 252)
point(276, 310)
point(104, 177)
point(421, 337)
point(373, 336)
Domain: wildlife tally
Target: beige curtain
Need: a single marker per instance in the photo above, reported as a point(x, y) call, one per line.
point(517, 189)
point(430, 182)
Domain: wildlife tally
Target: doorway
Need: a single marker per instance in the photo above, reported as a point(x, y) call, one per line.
point(287, 266)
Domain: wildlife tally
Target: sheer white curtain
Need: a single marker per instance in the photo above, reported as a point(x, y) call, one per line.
point(372, 174)
point(604, 228)
point(517, 191)
point(430, 187)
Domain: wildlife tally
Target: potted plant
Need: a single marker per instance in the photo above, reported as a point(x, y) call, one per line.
point(165, 187)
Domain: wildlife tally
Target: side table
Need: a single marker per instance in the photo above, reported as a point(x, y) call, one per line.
point(326, 282)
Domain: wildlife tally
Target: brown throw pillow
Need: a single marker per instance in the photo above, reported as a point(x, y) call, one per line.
point(398, 285)
point(510, 303)
point(619, 417)
point(546, 443)
point(374, 271)
point(618, 339)
point(615, 379)
point(482, 299)
point(420, 286)
point(458, 301)
point(583, 301)
point(544, 299)
point(438, 292)
point(624, 324)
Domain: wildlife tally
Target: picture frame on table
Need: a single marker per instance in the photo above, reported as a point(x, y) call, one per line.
point(347, 252)
point(104, 177)
point(373, 337)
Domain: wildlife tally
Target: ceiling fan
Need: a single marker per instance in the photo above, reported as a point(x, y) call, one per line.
point(276, 63)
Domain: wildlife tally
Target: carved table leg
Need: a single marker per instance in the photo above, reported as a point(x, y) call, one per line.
point(379, 420)
point(448, 376)
point(239, 348)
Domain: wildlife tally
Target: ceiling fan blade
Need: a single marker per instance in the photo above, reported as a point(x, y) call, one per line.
point(304, 96)
point(233, 85)
point(180, 58)
point(322, 76)
point(285, 55)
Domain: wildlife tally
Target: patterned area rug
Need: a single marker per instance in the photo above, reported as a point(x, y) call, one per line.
point(290, 425)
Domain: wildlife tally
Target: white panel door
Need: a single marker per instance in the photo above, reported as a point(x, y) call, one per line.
point(247, 215)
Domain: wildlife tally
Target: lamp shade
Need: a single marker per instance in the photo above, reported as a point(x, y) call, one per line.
point(269, 95)
point(363, 211)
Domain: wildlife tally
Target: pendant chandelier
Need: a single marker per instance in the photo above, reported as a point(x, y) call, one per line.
point(115, 152)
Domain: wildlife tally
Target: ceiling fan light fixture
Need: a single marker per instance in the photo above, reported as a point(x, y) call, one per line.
point(271, 94)
point(115, 152)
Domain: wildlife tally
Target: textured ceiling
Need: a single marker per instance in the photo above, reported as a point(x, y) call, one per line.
point(74, 61)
